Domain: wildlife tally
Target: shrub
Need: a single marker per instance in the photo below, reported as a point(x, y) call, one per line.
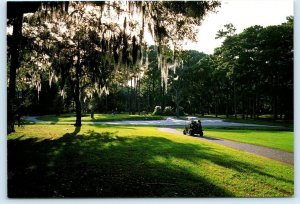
point(168, 111)
point(157, 110)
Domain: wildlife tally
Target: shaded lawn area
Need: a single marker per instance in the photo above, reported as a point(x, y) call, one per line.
point(130, 161)
point(99, 117)
point(272, 138)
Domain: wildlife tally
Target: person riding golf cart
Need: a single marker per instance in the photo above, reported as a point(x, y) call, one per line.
point(193, 128)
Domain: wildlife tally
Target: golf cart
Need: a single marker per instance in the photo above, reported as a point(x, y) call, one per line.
point(193, 128)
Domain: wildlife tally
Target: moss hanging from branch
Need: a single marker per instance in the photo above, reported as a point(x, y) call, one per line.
point(120, 44)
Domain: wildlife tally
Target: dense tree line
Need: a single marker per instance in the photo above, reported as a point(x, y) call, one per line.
point(258, 65)
point(249, 75)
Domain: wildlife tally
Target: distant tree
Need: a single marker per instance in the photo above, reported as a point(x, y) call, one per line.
point(277, 58)
point(258, 65)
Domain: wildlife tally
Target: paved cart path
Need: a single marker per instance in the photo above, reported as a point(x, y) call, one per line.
point(168, 122)
point(274, 154)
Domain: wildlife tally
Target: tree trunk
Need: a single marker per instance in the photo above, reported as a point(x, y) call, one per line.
point(77, 92)
point(148, 98)
point(234, 101)
point(227, 115)
point(14, 65)
point(253, 107)
point(163, 97)
point(92, 110)
point(135, 95)
point(257, 106)
point(152, 95)
point(138, 96)
point(130, 98)
point(216, 107)
point(280, 110)
point(243, 108)
point(177, 102)
point(106, 104)
point(275, 108)
point(78, 107)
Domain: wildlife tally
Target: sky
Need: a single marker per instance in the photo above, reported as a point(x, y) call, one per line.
point(242, 14)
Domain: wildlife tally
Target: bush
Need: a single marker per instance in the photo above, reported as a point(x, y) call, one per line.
point(157, 110)
point(168, 111)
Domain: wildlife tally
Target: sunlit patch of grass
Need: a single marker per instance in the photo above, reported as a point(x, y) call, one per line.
point(283, 140)
point(129, 161)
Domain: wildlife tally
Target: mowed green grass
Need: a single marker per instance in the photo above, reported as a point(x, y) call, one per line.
point(99, 117)
point(130, 161)
point(272, 138)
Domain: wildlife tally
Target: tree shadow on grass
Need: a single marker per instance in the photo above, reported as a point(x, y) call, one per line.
point(106, 165)
point(210, 138)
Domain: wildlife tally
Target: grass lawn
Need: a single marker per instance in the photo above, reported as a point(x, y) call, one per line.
point(130, 161)
point(276, 139)
point(99, 117)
